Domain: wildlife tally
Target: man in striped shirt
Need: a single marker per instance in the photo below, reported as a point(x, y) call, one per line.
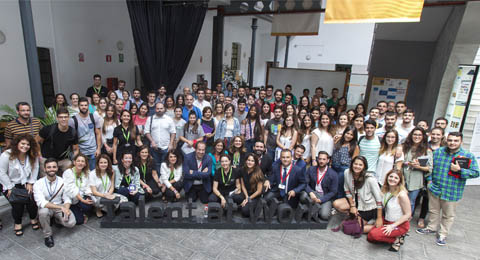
point(23, 124)
point(452, 166)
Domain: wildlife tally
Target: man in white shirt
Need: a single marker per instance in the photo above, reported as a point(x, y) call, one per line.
point(160, 131)
point(390, 120)
point(407, 125)
point(200, 102)
point(120, 89)
point(53, 201)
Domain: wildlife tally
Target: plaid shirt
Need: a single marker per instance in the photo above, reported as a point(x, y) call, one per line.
point(444, 185)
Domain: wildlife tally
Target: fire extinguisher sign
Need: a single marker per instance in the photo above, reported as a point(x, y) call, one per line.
point(109, 58)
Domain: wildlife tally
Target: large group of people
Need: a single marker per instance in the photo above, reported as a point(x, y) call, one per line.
point(242, 144)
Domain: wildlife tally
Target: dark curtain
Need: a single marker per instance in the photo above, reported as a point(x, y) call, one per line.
point(165, 36)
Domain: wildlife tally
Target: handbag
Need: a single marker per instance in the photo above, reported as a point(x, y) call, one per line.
point(350, 226)
point(19, 196)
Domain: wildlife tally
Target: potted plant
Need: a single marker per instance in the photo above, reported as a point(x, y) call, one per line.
point(8, 114)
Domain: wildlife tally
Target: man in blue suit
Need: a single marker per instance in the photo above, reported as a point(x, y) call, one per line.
point(297, 160)
point(197, 168)
point(322, 185)
point(286, 181)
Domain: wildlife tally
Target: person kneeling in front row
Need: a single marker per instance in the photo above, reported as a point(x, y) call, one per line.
point(286, 181)
point(226, 182)
point(53, 201)
point(322, 185)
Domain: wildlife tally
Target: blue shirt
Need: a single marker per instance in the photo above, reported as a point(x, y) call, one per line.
point(185, 113)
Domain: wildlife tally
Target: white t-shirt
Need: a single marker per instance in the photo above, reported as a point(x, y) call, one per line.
point(403, 132)
point(325, 141)
point(160, 130)
point(201, 105)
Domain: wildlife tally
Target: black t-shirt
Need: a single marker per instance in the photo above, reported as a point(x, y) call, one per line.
point(246, 181)
point(54, 146)
point(123, 144)
point(227, 183)
point(147, 175)
point(103, 92)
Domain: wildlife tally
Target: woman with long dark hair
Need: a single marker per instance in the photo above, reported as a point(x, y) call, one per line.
point(218, 150)
point(192, 133)
point(228, 127)
point(226, 181)
point(251, 181)
point(322, 138)
point(180, 101)
point(340, 126)
point(237, 151)
point(170, 106)
point(110, 121)
point(360, 109)
point(390, 155)
point(304, 137)
point(287, 137)
point(418, 162)
point(363, 197)
point(208, 126)
point(251, 129)
point(341, 105)
point(343, 152)
point(171, 176)
point(76, 183)
point(149, 177)
point(358, 120)
point(125, 136)
point(18, 172)
point(265, 114)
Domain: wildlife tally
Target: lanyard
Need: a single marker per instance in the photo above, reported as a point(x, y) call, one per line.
point(285, 177)
point(236, 158)
point(171, 175)
point(229, 176)
point(128, 179)
point(76, 178)
point(144, 170)
point(386, 200)
point(319, 180)
point(97, 90)
point(104, 183)
point(200, 166)
point(250, 124)
point(50, 194)
point(126, 136)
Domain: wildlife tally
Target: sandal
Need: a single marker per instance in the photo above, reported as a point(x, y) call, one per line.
point(35, 226)
point(402, 239)
point(99, 213)
point(395, 246)
point(18, 232)
point(421, 223)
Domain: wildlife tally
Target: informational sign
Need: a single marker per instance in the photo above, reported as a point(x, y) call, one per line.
point(475, 148)
point(387, 89)
point(459, 97)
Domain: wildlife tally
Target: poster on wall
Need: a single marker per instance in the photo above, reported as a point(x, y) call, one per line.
point(387, 89)
point(475, 148)
point(459, 97)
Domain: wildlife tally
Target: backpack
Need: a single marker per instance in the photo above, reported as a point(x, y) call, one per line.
point(363, 137)
point(75, 121)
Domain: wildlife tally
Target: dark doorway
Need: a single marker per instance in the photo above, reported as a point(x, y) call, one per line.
point(46, 75)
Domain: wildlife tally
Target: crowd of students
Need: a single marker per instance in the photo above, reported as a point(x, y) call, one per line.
point(235, 143)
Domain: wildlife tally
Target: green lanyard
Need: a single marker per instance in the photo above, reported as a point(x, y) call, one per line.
point(76, 178)
point(105, 184)
point(97, 90)
point(126, 136)
point(144, 170)
point(128, 179)
point(229, 176)
point(171, 175)
point(236, 158)
point(386, 200)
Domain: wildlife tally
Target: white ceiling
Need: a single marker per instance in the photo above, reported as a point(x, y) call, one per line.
point(427, 30)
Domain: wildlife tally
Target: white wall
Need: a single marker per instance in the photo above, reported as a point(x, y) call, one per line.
point(91, 27)
point(13, 63)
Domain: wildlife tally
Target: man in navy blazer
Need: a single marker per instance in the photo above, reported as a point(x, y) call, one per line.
point(197, 168)
point(286, 182)
point(322, 185)
point(297, 160)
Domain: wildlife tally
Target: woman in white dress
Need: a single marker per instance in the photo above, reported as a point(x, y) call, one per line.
point(287, 137)
point(322, 138)
point(110, 121)
point(304, 136)
point(390, 156)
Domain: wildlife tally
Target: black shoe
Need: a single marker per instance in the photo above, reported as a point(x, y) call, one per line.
point(49, 241)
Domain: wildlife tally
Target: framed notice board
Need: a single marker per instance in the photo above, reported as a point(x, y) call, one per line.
point(387, 89)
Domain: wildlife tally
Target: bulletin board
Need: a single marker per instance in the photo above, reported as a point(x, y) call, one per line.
point(388, 89)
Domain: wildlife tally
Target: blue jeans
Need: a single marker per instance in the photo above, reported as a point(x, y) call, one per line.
point(158, 156)
point(341, 179)
point(412, 195)
point(124, 191)
point(91, 161)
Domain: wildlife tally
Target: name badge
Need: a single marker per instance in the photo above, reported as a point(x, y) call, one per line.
point(131, 188)
point(90, 126)
point(127, 145)
point(281, 186)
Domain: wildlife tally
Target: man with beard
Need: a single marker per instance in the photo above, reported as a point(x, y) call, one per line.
point(264, 158)
point(446, 185)
point(269, 94)
point(160, 131)
point(52, 200)
point(272, 129)
point(161, 94)
point(407, 125)
point(23, 124)
point(96, 88)
point(322, 185)
point(278, 101)
point(390, 121)
point(286, 182)
point(382, 109)
point(120, 89)
point(87, 127)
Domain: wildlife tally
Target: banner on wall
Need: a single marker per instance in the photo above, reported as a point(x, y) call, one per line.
point(457, 104)
point(295, 24)
point(373, 11)
point(387, 89)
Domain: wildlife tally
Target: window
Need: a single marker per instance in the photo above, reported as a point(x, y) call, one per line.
point(236, 55)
